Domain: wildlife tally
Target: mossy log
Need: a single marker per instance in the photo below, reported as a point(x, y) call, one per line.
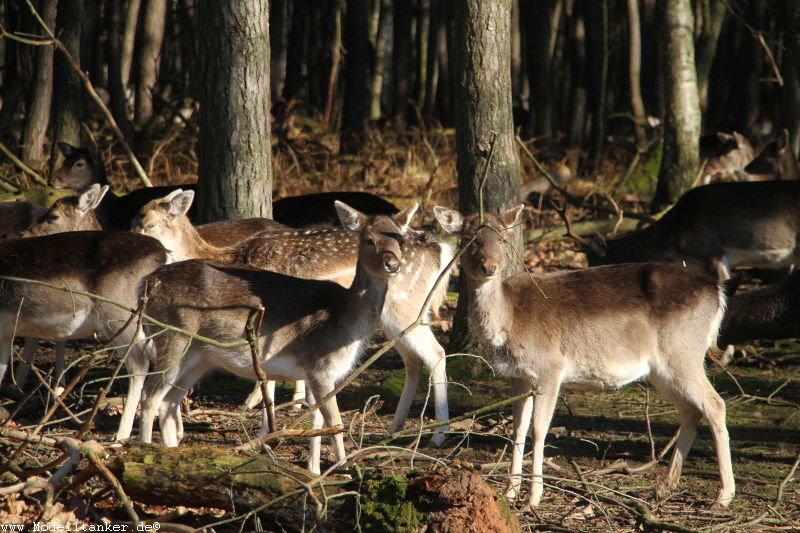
point(441, 499)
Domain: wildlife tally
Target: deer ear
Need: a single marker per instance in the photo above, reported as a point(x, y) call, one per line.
point(512, 217)
point(351, 219)
point(92, 197)
point(404, 217)
point(450, 220)
point(179, 202)
point(66, 149)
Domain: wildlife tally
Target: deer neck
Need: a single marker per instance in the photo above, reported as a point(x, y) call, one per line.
point(489, 310)
point(364, 304)
point(191, 245)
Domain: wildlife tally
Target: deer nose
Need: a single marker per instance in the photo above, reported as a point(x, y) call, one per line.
point(391, 263)
point(488, 269)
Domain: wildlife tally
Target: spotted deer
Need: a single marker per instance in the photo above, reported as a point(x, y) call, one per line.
point(726, 156)
point(715, 228)
point(83, 167)
point(604, 327)
point(312, 330)
point(108, 264)
point(330, 254)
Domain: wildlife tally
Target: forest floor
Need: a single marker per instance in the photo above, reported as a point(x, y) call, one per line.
point(595, 435)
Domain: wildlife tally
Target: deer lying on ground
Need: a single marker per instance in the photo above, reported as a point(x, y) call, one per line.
point(330, 254)
point(769, 313)
point(312, 330)
point(777, 161)
point(108, 264)
point(605, 327)
point(715, 228)
point(83, 167)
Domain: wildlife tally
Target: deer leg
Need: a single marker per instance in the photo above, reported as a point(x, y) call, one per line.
point(137, 364)
point(61, 348)
point(421, 345)
point(330, 412)
point(169, 409)
point(545, 404)
point(522, 410)
point(315, 444)
point(714, 410)
point(24, 366)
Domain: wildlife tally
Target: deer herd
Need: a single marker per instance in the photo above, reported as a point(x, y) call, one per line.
point(651, 307)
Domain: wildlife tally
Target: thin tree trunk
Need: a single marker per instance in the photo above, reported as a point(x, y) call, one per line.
point(67, 87)
point(119, 100)
point(597, 34)
point(379, 65)
point(38, 116)
point(482, 64)
point(714, 12)
point(235, 155)
point(334, 44)
point(634, 71)
point(540, 16)
point(296, 50)
point(152, 35)
point(356, 73)
point(403, 72)
point(679, 162)
point(422, 33)
point(790, 71)
point(279, 22)
point(129, 39)
point(580, 93)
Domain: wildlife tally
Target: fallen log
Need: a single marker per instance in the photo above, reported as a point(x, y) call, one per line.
point(443, 499)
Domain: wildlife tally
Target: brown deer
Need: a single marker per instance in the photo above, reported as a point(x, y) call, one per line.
point(312, 330)
point(83, 167)
point(16, 216)
point(330, 254)
point(109, 264)
point(604, 327)
point(777, 161)
point(714, 228)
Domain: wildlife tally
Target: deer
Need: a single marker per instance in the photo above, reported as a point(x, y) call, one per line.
point(768, 313)
point(108, 264)
point(330, 254)
point(83, 167)
point(777, 161)
point(715, 228)
point(604, 327)
point(16, 216)
point(311, 330)
point(726, 156)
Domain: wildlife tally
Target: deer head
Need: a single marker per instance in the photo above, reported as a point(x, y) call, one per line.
point(71, 213)
point(81, 168)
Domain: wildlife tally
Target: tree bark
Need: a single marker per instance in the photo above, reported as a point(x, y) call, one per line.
point(402, 71)
point(379, 64)
point(235, 155)
point(129, 39)
point(279, 20)
point(38, 116)
point(789, 117)
point(597, 37)
point(152, 37)
point(634, 71)
point(541, 16)
point(67, 85)
point(714, 12)
point(679, 163)
point(482, 86)
point(116, 89)
point(296, 50)
point(356, 76)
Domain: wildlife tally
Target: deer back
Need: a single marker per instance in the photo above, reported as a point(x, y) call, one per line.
point(17, 216)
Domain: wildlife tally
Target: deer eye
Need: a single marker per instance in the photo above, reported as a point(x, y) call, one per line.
point(80, 164)
point(149, 226)
point(370, 242)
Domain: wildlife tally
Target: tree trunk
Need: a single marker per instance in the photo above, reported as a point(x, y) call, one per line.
point(379, 63)
point(152, 37)
point(679, 162)
point(714, 12)
point(634, 71)
point(279, 20)
point(235, 155)
point(422, 65)
point(402, 71)
point(38, 116)
point(198, 476)
point(789, 117)
point(356, 75)
point(482, 71)
point(580, 92)
point(119, 101)
point(129, 39)
point(296, 50)
point(68, 88)
point(597, 36)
